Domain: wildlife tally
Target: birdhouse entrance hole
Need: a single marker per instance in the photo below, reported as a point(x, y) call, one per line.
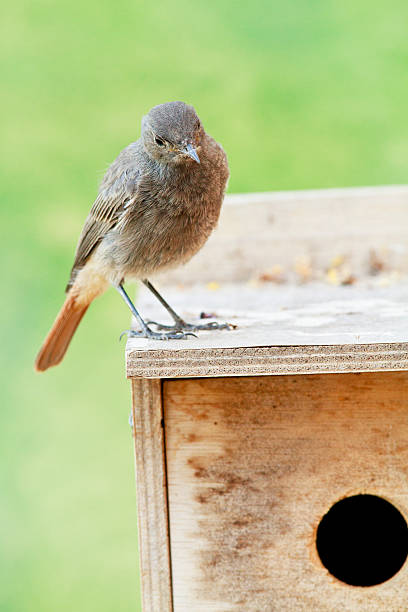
point(363, 540)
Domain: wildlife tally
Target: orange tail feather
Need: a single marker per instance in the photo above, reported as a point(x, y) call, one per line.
point(57, 341)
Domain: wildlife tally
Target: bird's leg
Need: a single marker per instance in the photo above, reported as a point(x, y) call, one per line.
point(179, 323)
point(145, 331)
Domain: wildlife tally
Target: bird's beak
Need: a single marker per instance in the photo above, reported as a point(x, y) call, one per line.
point(191, 152)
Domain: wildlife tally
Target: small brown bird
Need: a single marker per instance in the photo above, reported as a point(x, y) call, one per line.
point(157, 204)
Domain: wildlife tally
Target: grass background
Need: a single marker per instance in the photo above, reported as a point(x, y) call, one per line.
point(307, 93)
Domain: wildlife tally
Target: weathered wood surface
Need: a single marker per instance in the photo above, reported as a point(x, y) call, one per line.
point(254, 464)
point(259, 230)
point(151, 496)
point(280, 330)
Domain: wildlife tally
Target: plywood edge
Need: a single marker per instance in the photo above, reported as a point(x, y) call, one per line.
point(151, 495)
point(258, 361)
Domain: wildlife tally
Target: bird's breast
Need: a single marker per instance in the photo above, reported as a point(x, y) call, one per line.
point(169, 221)
point(160, 233)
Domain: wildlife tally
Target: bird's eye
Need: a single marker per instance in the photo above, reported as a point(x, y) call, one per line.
point(159, 141)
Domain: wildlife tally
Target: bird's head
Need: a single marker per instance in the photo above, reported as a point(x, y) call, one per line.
point(172, 133)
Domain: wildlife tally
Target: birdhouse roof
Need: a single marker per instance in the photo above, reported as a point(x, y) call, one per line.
point(309, 281)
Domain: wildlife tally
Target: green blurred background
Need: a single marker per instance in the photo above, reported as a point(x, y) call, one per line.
point(302, 94)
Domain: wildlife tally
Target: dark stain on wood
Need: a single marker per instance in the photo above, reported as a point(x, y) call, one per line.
point(274, 453)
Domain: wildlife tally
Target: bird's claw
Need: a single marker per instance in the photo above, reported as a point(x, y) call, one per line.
point(183, 326)
point(174, 334)
point(160, 326)
point(126, 332)
point(213, 325)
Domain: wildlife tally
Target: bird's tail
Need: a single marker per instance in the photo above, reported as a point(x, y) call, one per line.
point(57, 341)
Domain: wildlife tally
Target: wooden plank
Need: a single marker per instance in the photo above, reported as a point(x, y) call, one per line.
point(151, 496)
point(280, 330)
point(259, 230)
point(253, 466)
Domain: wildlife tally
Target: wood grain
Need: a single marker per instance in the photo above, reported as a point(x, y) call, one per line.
point(255, 463)
point(151, 496)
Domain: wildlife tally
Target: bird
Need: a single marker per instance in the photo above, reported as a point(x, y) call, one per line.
point(157, 204)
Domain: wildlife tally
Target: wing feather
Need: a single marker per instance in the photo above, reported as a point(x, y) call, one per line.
point(118, 189)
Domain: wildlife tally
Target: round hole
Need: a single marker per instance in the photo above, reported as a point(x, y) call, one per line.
point(363, 540)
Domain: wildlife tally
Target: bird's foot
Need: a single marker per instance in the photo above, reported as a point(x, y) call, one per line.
point(192, 327)
point(173, 334)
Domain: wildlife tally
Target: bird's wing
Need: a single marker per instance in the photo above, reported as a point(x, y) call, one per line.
point(114, 197)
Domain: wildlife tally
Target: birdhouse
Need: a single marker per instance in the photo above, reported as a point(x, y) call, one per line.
point(272, 458)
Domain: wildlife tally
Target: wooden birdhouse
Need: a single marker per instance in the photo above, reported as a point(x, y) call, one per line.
point(272, 459)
